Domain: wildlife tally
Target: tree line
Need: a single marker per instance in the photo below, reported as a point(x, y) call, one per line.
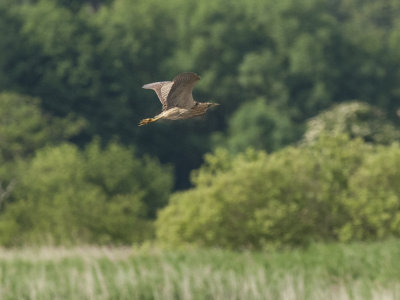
point(70, 81)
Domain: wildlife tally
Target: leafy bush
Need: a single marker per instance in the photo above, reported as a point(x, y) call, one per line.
point(66, 196)
point(323, 191)
point(25, 128)
point(357, 119)
point(373, 197)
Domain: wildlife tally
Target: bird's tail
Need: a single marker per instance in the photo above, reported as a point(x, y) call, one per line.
point(147, 121)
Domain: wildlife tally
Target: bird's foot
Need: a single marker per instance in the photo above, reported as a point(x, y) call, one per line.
point(146, 121)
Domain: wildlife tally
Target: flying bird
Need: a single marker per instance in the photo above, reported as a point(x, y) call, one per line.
point(177, 99)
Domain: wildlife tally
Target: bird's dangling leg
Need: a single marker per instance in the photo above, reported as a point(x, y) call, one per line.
point(149, 120)
point(146, 121)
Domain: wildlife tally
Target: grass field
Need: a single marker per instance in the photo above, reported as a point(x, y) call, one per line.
point(356, 271)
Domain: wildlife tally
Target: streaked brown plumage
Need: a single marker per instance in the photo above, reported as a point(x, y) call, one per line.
point(177, 99)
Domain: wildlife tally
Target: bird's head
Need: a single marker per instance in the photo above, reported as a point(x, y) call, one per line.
point(210, 104)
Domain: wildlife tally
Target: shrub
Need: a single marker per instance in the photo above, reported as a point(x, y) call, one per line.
point(256, 200)
point(357, 119)
point(373, 197)
point(66, 196)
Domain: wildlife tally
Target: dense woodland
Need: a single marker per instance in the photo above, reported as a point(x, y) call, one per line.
point(304, 147)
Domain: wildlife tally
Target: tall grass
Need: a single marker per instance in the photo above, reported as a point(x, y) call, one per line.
point(356, 271)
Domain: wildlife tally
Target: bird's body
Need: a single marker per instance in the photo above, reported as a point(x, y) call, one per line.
point(176, 98)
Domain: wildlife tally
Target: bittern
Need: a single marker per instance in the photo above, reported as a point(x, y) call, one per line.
point(177, 99)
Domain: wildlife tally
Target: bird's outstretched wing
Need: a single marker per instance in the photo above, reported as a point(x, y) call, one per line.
point(162, 90)
point(180, 94)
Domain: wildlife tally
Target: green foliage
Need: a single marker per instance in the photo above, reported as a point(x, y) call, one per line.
point(91, 58)
point(62, 73)
point(65, 196)
point(373, 197)
point(117, 171)
point(24, 128)
point(323, 191)
point(272, 65)
point(76, 5)
point(257, 125)
point(357, 119)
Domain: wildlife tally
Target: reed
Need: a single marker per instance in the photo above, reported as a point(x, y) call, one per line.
point(355, 271)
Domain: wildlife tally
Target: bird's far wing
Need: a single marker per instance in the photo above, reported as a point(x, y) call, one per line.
point(180, 94)
point(162, 90)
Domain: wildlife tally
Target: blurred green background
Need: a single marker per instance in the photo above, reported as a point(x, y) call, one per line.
point(304, 148)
